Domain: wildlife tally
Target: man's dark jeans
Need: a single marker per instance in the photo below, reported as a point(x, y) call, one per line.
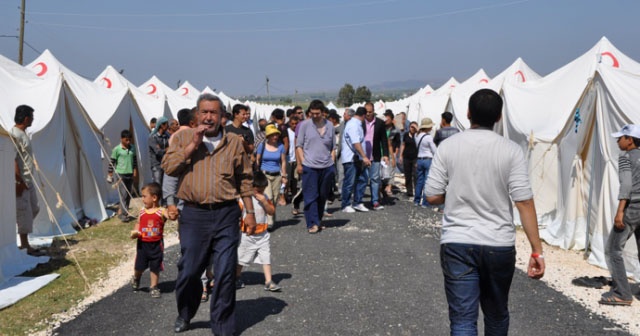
point(478, 274)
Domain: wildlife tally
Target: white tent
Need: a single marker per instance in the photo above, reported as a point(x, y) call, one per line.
point(12, 260)
point(155, 88)
point(64, 145)
point(460, 97)
point(561, 121)
point(129, 116)
point(432, 103)
point(188, 91)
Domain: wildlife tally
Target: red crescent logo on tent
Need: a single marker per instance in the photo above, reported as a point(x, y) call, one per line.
point(153, 89)
point(186, 91)
point(43, 69)
point(484, 80)
point(381, 105)
point(519, 72)
point(107, 82)
point(452, 85)
point(607, 53)
point(428, 92)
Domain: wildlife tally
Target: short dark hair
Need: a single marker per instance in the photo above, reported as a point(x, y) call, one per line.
point(360, 111)
point(369, 103)
point(294, 118)
point(153, 120)
point(228, 115)
point(636, 141)
point(278, 114)
point(154, 189)
point(185, 116)
point(485, 107)
point(125, 134)
point(297, 107)
point(389, 113)
point(22, 112)
point(289, 112)
point(316, 104)
point(260, 179)
point(238, 107)
point(447, 116)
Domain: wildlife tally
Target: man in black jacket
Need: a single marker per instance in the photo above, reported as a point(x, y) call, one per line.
point(376, 146)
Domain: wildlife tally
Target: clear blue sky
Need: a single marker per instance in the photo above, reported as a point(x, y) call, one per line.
point(315, 45)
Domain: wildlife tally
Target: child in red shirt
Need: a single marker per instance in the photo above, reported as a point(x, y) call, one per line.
point(148, 231)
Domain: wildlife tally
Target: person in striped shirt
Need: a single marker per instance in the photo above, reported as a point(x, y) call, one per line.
point(214, 170)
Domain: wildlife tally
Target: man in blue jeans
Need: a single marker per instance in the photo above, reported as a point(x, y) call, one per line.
point(477, 251)
point(354, 161)
point(315, 154)
point(376, 146)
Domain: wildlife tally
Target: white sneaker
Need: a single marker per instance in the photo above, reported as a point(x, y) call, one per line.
point(348, 209)
point(361, 207)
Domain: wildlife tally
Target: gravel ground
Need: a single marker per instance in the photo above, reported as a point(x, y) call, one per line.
point(373, 273)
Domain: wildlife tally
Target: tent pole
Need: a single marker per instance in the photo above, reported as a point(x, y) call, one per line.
point(593, 161)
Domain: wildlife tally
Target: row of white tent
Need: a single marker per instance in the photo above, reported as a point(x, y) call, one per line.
point(77, 123)
point(562, 120)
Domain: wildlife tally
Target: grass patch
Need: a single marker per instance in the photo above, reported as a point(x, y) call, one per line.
point(97, 249)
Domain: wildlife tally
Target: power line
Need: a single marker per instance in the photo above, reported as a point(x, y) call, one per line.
point(25, 42)
point(275, 11)
point(288, 29)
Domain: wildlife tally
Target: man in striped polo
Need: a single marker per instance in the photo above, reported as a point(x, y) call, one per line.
point(214, 170)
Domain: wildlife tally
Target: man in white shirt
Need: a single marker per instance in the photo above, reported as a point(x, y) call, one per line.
point(477, 174)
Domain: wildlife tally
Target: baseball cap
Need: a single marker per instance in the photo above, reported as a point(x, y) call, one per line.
point(628, 130)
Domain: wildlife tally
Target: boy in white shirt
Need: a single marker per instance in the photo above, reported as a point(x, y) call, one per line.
point(256, 248)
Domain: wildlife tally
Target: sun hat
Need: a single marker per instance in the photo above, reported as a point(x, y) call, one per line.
point(271, 129)
point(426, 123)
point(628, 130)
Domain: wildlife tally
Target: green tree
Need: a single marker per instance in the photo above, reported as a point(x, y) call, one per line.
point(345, 96)
point(362, 94)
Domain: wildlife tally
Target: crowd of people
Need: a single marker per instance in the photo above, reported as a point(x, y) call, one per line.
point(222, 179)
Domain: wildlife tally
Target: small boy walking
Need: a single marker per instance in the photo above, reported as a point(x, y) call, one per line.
point(149, 232)
point(256, 248)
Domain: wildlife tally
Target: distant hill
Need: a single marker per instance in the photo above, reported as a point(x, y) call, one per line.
point(397, 85)
point(387, 90)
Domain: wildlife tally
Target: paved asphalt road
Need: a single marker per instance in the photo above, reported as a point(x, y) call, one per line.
point(374, 273)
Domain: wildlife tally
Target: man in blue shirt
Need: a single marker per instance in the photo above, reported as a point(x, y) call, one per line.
point(354, 161)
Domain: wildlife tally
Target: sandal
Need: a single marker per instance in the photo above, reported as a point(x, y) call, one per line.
point(314, 229)
point(272, 287)
point(205, 295)
point(612, 300)
point(295, 212)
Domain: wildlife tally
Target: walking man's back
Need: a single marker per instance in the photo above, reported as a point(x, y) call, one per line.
point(477, 174)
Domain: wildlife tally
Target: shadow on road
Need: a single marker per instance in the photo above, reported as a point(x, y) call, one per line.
point(252, 312)
point(333, 223)
point(289, 222)
point(257, 278)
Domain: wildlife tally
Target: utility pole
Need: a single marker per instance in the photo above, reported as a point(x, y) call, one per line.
point(268, 94)
point(21, 38)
